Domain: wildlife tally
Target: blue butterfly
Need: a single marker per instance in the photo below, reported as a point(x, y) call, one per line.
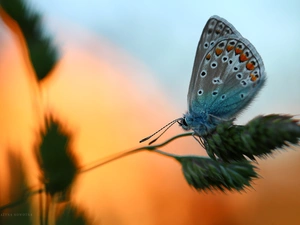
point(228, 73)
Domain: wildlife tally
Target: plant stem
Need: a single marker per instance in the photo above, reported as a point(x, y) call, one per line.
point(21, 200)
point(48, 202)
point(44, 213)
point(132, 151)
point(166, 154)
point(109, 159)
point(41, 206)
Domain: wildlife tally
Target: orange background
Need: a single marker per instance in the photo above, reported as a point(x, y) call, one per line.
point(110, 101)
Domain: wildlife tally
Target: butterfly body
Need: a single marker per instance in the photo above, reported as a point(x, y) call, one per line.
point(228, 73)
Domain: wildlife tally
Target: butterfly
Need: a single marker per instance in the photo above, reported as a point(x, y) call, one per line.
point(227, 74)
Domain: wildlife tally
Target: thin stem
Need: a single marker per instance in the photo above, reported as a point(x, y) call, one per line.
point(166, 154)
point(48, 202)
point(94, 166)
point(109, 159)
point(21, 200)
point(132, 151)
point(41, 208)
point(52, 209)
point(178, 157)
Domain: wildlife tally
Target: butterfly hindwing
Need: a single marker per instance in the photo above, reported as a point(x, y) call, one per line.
point(215, 28)
point(230, 75)
point(227, 76)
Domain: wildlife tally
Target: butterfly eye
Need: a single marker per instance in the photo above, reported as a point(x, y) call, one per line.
point(230, 45)
point(206, 44)
point(220, 48)
point(239, 76)
point(213, 65)
point(184, 123)
point(244, 83)
point(253, 77)
point(200, 92)
point(245, 55)
point(235, 68)
point(221, 44)
point(224, 59)
point(217, 31)
point(215, 93)
point(203, 73)
point(217, 81)
point(256, 73)
point(227, 31)
point(232, 42)
point(239, 48)
point(251, 65)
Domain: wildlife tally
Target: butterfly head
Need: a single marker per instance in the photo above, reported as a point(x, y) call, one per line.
point(202, 124)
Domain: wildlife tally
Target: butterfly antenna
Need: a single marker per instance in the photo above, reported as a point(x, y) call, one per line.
point(166, 127)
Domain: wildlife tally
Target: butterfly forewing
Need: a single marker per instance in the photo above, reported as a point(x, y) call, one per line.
point(229, 74)
point(215, 28)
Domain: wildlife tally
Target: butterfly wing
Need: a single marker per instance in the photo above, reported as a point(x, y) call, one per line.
point(215, 28)
point(227, 76)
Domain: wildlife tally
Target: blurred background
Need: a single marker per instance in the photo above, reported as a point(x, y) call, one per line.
point(123, 73)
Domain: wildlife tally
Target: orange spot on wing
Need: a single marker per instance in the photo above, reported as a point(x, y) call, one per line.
point(208, 56)
point(219, 51)
point(250, 66)
point(238, 51)
point(243, 57)
point(253, 77)
point(229, 48)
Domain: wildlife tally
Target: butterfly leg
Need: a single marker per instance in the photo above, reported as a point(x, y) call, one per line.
point(199, 140)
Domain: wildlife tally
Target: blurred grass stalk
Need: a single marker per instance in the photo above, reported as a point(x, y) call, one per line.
point(57, 163)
